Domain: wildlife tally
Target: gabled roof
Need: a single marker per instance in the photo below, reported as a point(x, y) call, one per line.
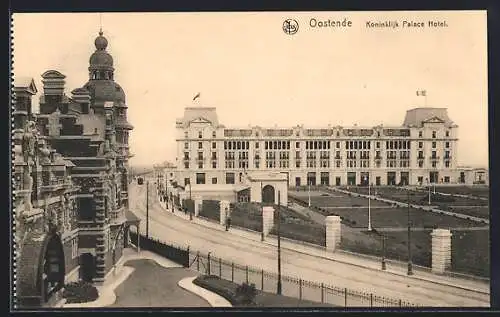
point(25, 83)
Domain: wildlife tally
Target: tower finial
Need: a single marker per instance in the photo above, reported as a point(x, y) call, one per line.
point(100, 24)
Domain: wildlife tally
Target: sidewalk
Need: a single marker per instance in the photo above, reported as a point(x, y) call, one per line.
point(367, 262)
point(122, 272)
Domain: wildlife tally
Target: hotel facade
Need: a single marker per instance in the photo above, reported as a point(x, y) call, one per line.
point(422, 150)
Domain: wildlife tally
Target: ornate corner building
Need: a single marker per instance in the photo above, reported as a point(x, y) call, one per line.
point(70, 168)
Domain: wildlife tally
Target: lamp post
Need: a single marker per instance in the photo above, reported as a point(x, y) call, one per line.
point(383, 252)
point(309, 193)
point(410, 268)
point(262, 212)
point(369, 205)
point(147, 209)
point(190, 209)
point(278, 291)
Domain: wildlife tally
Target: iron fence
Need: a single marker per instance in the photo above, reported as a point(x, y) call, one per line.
point(291, 286)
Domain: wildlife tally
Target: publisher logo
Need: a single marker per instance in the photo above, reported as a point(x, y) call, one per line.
point(290, 26)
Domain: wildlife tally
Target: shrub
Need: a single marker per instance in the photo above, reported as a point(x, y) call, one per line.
point(80, 292)
point(246, 293)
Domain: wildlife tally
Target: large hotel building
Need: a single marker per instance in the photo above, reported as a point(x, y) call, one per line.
point(422, 150)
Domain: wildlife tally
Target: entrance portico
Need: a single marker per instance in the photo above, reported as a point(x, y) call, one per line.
point(264, 187)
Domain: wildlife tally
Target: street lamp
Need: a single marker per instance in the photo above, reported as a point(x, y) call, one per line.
point(410, 269)
point(262, 212)
point(278, 291)
point(429, 190)
point(190, 209)
point(369, 205)
point(309, 193)
point(147, 209)
point(383, 252)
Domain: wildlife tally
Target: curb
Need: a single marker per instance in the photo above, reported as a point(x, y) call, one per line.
point(213, 299)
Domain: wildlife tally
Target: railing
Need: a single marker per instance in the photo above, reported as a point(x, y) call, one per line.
point(291, 286)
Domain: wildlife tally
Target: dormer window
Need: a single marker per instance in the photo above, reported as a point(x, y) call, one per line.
point(419, 134)
point(186, 135)
point(214, 134)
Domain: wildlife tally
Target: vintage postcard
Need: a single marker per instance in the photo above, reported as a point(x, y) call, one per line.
point(250, 159)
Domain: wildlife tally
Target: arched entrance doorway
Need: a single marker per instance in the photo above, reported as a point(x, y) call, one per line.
point(52, 268)
point(268, 195)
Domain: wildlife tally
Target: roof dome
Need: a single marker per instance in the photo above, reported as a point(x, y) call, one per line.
point(101, 42)
point(105, 90)
point(100, 58)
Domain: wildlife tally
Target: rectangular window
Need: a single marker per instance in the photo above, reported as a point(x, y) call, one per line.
point(74, 248)
point(433, 145)
point(447, 164)
point(420, 145)
point(447, 179)
point(447, 133)
point(433, 134)
point(214, 180)
point(447, 145)
point(186, 181)
point(200, 145)
point(434, 164)
point(214, 164)
point(229, 178)
point(214, 145)
point(420, 164)
point(186, 164)
point(200, 165)
point(256, 145)
point(186, 145)
point(200, 178)
point(419, 134)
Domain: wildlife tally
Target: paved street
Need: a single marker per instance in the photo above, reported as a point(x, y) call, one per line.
point(151, 285)
point(240, 249)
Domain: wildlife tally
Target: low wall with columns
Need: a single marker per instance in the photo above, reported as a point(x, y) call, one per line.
point(441, 250)
point(333, 232)
point(267, 219)
point(197, 205)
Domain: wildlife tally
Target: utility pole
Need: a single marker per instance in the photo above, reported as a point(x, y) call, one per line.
point(369, 205)
point(309, 193)
point(279, 247)
point(190, 202)
point(383, 252)
point(262, 212)
point(147, 209)
point(410, 268)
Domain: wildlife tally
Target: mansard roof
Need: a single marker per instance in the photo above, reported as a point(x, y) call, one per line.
point(418, 116)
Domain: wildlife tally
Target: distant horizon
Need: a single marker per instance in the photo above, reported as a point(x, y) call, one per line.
point(246, 67)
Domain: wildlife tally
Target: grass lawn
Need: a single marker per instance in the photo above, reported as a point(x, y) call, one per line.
point(455, 204)
point(210, 209)
point(471, 252)
point(152, 285)
point(396, 245)
point(479, 191)
point(227, 289)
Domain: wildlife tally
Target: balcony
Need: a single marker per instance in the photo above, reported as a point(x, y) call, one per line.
point(421, 158)
point(434, 158)
point(53, 184)
point(447, 158)
point(338, 157)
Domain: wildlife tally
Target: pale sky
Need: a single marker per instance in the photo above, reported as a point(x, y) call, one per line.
point(253, 73)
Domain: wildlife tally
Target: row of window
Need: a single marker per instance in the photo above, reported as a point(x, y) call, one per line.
point(283, 155)
point(317, 145)
point(214, 134)
point(351, 163)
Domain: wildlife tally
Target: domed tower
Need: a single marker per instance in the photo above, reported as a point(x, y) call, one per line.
point(101, 84)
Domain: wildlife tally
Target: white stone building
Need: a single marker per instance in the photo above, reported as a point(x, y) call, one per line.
point(422, 150)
